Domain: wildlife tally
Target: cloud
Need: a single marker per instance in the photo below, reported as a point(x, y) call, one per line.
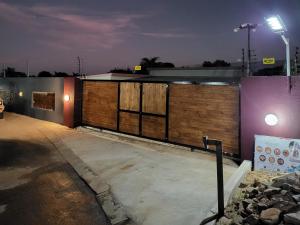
point(168, 35)
point(69, 27)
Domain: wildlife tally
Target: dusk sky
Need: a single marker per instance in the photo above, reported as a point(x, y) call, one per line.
point(118, 33)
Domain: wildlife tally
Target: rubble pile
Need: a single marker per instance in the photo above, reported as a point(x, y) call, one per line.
point(265, 202)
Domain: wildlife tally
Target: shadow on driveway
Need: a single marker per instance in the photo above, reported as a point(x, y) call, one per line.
point(38, 187)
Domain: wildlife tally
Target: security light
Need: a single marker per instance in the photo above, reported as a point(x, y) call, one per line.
point(276, 24)
point(271, 119)
point(67, 98)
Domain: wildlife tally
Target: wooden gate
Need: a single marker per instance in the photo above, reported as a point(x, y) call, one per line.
point(175, 113)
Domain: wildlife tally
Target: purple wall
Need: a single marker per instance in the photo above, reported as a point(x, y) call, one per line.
point(263, 95)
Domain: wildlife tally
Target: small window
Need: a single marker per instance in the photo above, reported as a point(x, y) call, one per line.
point(43, 100)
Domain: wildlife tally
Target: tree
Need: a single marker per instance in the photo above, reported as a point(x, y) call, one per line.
point(147, 63)
point(121, 70)
point(60, 74)
point(45, 74)
point(207, 64)
point(11, 72)
point(216, 63)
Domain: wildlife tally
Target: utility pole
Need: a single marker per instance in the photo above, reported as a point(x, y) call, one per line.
point(79, 66)
point(250, 27)
point(4, 70)
point(253, 57)
point(243, 61)
point(27, 65)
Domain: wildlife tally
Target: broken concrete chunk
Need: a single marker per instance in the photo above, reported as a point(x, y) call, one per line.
point(286, 186)
point(270, 216)
point(296, 198)
point(296, 189)
point(285, 206)
point(284, 192)
point(292, 218)
point(253, 219)
point(250, 208)
point(261, 206)
point(262, 187)
point(272, 190)
point(246, 202)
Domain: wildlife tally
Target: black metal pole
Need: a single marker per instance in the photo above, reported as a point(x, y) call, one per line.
point(220, 182)
point(219, 154)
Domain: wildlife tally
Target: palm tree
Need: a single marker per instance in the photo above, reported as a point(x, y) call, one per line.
point(149, 62)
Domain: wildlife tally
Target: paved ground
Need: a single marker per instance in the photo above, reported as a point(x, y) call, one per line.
point(149, 183)
point(37, 186)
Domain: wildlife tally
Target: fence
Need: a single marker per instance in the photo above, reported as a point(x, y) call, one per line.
point(169, 112)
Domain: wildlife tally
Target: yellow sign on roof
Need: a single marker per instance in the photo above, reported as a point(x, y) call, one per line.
point(138, 68)
point(269, 61)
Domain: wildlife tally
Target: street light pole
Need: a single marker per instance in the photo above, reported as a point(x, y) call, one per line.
point(287, 51)
point(276, 24)
point(249, 53)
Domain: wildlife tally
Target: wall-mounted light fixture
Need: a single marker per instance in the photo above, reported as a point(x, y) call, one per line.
point(271, 119)
point(67, 98)
point(20, 93)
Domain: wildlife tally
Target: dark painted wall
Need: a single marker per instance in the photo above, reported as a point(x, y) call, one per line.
point(263, 95)
point(23, 105)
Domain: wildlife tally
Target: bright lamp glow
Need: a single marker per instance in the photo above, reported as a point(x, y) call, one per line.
point(276, 24)
point(271, 119)
point(67, 98)
point(21, 94)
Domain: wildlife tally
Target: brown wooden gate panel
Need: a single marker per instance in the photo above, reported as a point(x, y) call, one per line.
point(153, 127)
point(129, 123)
point(100, 103)
point(154, 98)
point(203, 110)
point(130, 96)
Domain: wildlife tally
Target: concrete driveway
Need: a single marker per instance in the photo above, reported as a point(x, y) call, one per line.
point(155, 184)
point(37, 186)
point(149, 183)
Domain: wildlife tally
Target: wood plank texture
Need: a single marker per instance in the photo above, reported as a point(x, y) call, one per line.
point(100, 100)
point(154, 98)
point(204, 110)
point(130, 96)
point(129, 123)
point(153, 127)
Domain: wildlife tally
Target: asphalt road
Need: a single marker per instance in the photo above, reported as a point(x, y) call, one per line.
point(37, 186)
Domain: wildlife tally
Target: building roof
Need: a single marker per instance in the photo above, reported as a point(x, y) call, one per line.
point(190, 79)
point(198, 71)
point(111, 76)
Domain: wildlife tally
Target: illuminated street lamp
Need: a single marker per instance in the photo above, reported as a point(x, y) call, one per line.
point(277, 26)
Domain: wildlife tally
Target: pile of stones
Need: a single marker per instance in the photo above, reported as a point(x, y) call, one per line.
point(266, 203)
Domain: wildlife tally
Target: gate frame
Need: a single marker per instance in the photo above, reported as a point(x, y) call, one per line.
point(232, 156)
